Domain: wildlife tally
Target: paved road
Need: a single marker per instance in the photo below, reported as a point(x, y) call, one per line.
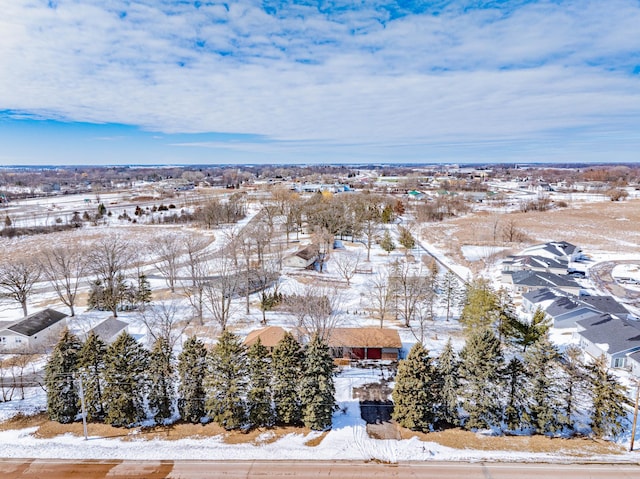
point(59, 469)
point(601, 275)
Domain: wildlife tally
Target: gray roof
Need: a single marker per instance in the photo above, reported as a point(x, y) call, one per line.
point(635, 356)
point(36, 322)
point(539, 278)
point(620, 334)
point(541, 295)
point(605, 304)
point(534, 261)
point(108, 328)
point(564, 305)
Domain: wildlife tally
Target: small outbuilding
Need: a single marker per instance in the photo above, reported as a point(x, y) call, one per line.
point(303, 258)
point(38, 330)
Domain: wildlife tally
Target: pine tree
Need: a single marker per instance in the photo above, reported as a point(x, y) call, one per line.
point(162, 381)
point(543, 391)
point(286, 365)
point(406, 239)
point(447, 373)
point(516, 394)
point(259, 401)
point(227, 382)
point(608, 397)
point(91, 369)
point(449, 286)
point(414, 393)
point(126, 381)
point(526, 333)
point(317, 390)
point(574, 381)
point(481, 370)
point(192, 369)
point(60, 374)
point(386, 243)
point(481, 306)
point(506, 315)
point(143, 293)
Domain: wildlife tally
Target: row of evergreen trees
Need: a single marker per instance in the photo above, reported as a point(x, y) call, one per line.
point(236, 387)
point(540, 391)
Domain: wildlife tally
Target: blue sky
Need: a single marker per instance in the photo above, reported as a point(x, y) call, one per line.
point(158, 81)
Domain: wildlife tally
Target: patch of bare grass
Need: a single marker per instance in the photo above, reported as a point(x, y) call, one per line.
point(316, 441)
point(460, 439)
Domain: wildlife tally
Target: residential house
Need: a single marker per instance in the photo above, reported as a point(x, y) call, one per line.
point(539, 298)
point(612, 337)
point(38, 330)
point(558, 250)
point(365, 343)
point(566, 311)
point(109, 329)
point(525, 281)
point(535, 263)
point(633, 363)
point(303, 258)
point(269, 337)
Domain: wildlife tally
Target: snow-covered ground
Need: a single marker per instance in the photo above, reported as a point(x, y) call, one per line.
point(347, 439)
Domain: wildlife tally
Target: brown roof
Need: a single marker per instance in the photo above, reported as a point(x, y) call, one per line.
point(269, 336)
point(364, 338)
point(307, 253)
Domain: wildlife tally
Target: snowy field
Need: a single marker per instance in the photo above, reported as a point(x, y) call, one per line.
point(348, 438)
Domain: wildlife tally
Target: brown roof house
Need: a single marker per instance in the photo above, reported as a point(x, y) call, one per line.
point(269, 337)
point(303, 258)
point(38, 330)
point(365, 343)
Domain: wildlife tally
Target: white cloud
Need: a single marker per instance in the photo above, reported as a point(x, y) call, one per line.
point(349, 76)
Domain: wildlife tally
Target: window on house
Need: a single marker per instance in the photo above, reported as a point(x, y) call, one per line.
point(18, 340)
point(619, 362)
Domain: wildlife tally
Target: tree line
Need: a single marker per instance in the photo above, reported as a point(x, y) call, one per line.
point(508, 377)
point(123, 384)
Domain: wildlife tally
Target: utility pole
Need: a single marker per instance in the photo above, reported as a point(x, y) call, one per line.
point(635, 415)
point(84, 409)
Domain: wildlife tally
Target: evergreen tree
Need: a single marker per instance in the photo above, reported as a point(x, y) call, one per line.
point(227, 382)
point(317, 390)
point(516, 394)
point(506, 315)
point(447, 373)
point(91, 369)
point(126, 381)
point(192, 369)
point(259, 402)
point(608, 397)
point(526, 333)
point(386, 243)
point(162, 380)
point(406, 239)
point(286, 364)
point(450, 290)
point(543, 391)
point(60, 374)
point(574, 381)
point(414, 393)
point(143, 293)
point(481, 306)
point(481, 370)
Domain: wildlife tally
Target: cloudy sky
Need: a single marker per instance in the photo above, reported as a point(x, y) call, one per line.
point(159, 81)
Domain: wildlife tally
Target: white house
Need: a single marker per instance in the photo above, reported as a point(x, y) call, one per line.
point(39, 329)
point(302, 258)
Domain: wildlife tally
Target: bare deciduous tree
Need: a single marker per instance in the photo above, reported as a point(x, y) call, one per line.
point(411, 287)
point(381, 295)
point(221, 285)
point(17, 279)
point(317, 309)
point(168, 248)
point(64, 266)
point(195, 246)
point(163, 322)
point(108, 260)
point(347, 264)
